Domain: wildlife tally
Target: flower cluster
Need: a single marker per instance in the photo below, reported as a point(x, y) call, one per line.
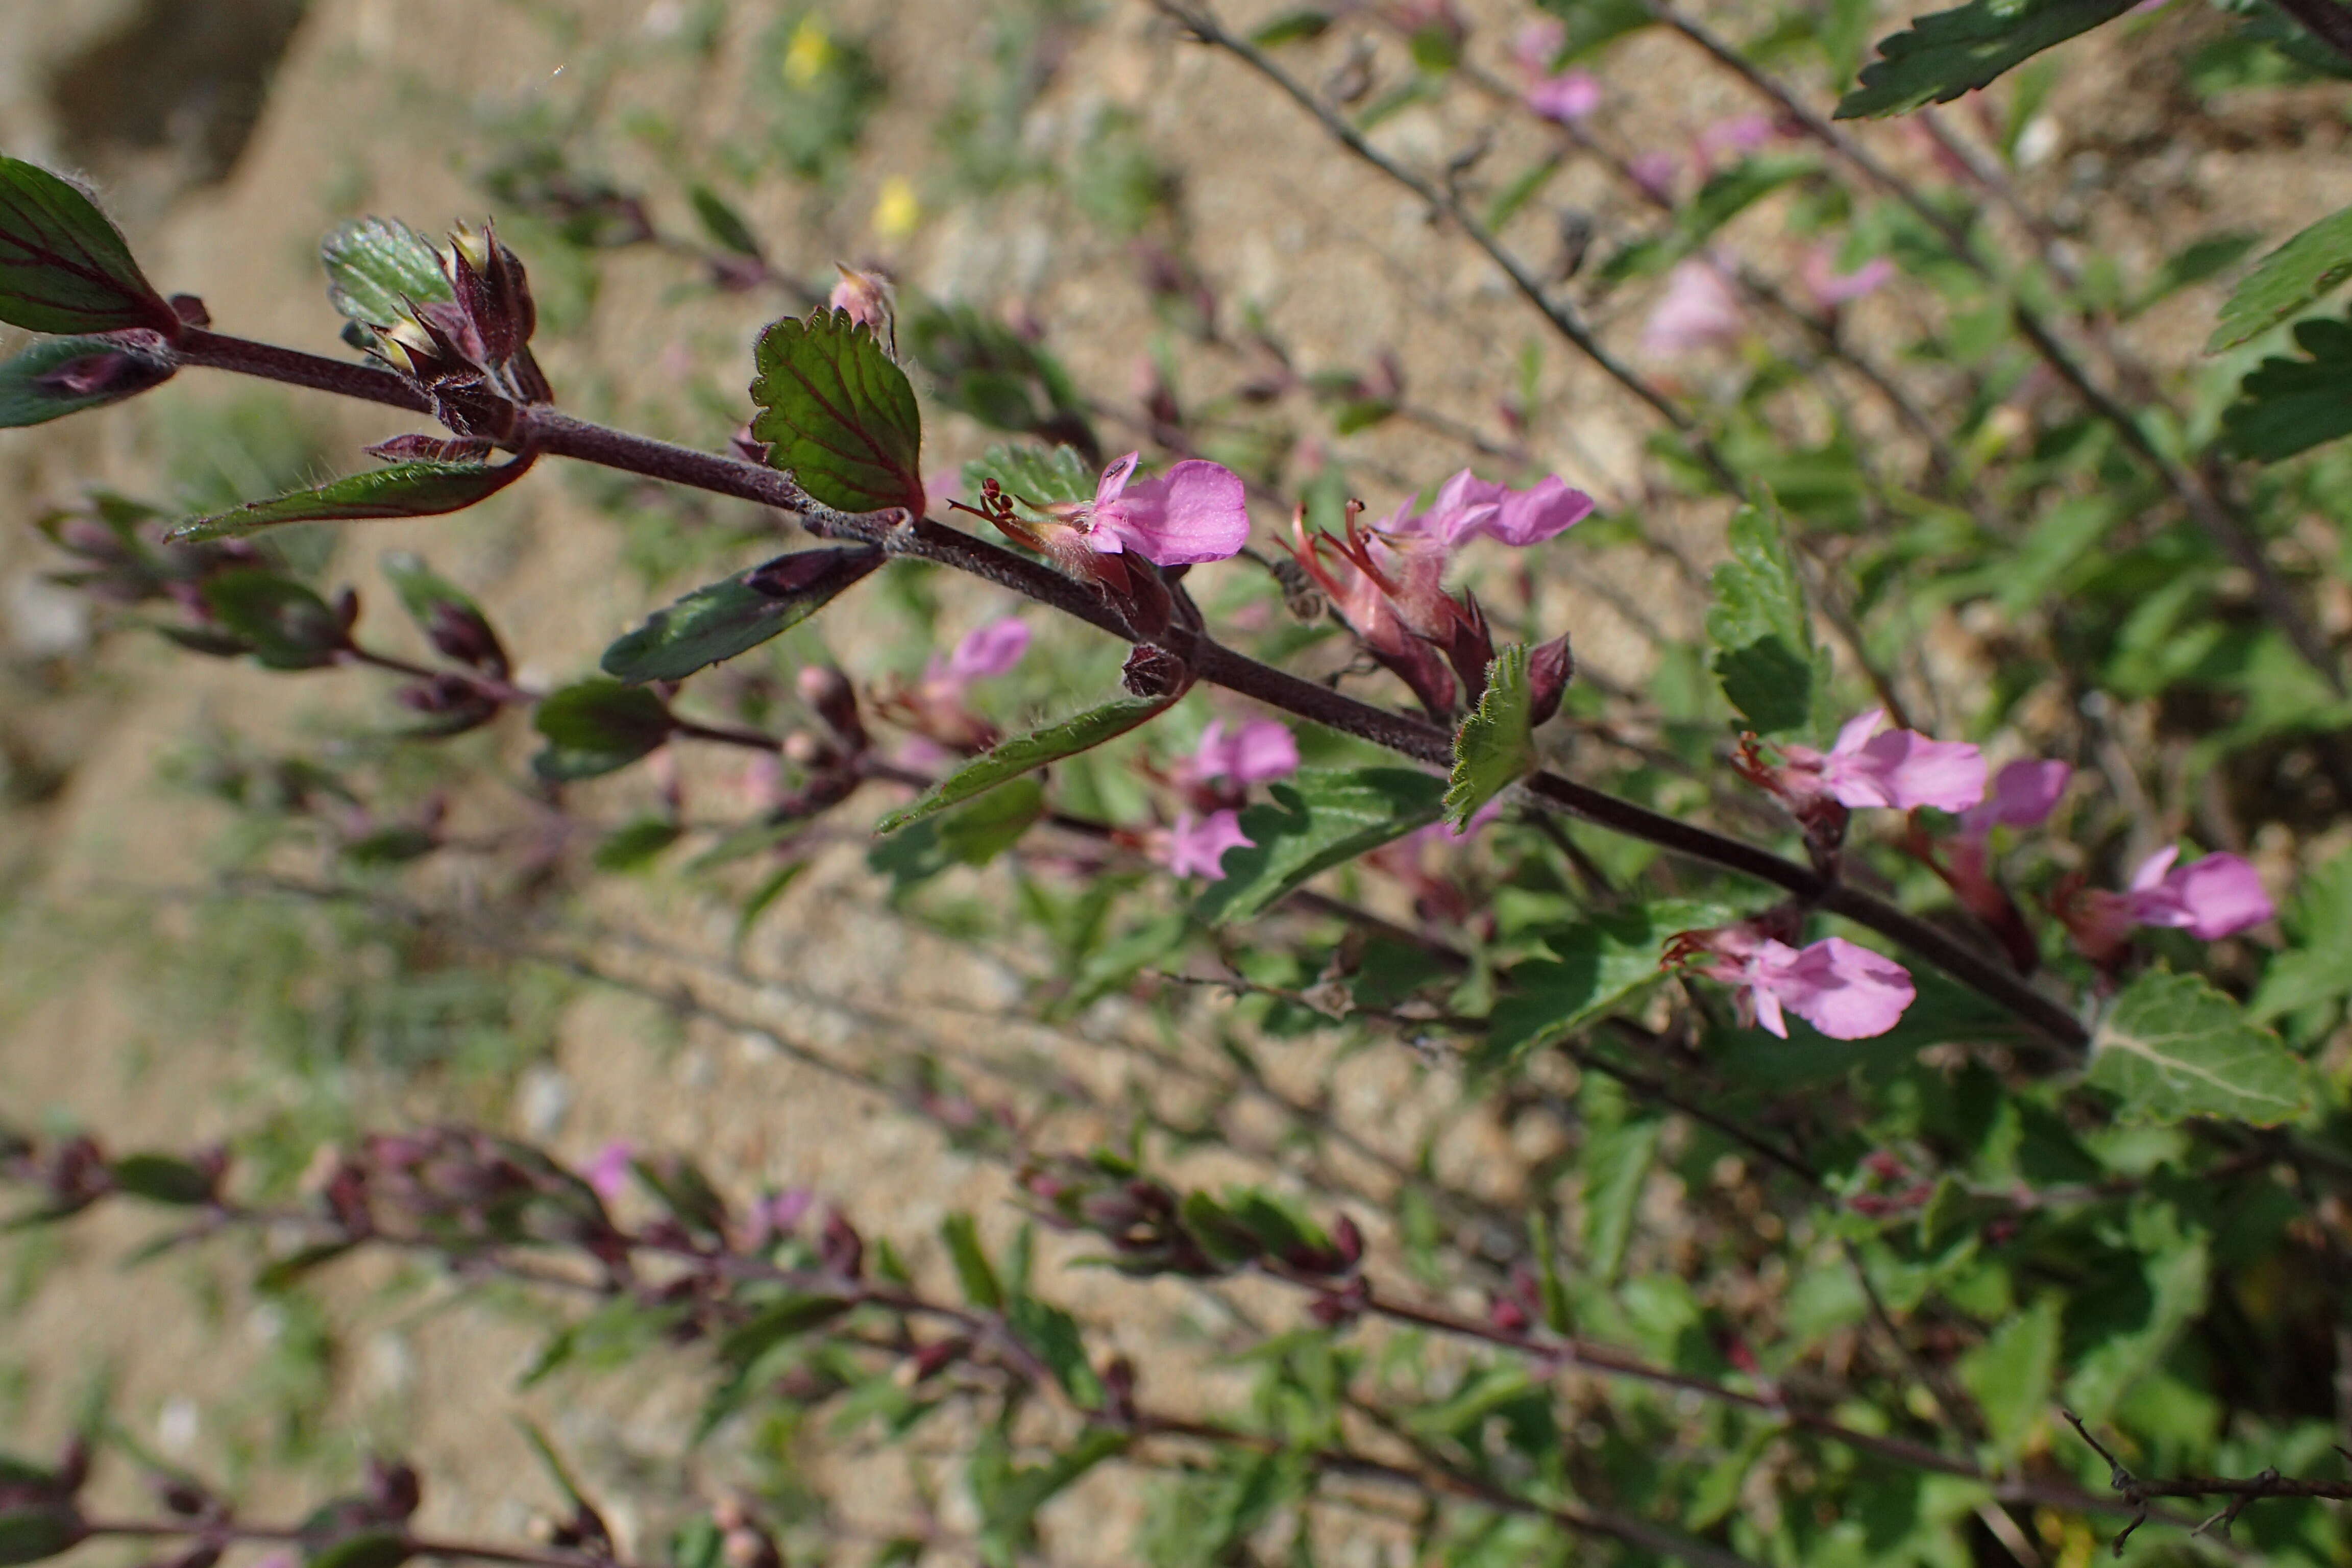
point(1215, 779)
point(1846, 991)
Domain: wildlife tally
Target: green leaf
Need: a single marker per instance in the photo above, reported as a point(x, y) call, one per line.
point(58, 376)
point(597, 727)
point(763, 898)
point(2289, 405)
point(1320, 818)
point(994, 823)
point(2173, 1048)
point(2193, 263)
point(444, 612)
point(2301, 272)
point(1770, 668)
point(63, 267)
point(1026, 753)
point(1732, 192)
point(838, 414)
point(370, 1549)
point(161, 1179)
point(396, 490)
point(1951, 52)
point(1600, 963)
point(1592, 24)
point(1038, 475)
point(1292, 28)
point(285, 624)
point(981, 1286)
point(787, 1319)
point(31, 1534)
point(1496, 746)
point(1616, 1162)
point(715, 624)
point(636, 845)
point(723, 224)
point(375, 265)
point(2012, 1376)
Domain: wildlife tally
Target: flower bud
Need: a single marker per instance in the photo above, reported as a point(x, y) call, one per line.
point(828, 692)
point(1550, 667)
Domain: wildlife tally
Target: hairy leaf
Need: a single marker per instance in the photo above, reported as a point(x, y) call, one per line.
point(1765, 654)
point(1320, 818)
point(597, 727)
point(58, 376)
point(1948, 52)
point(1496, 746)
point(63, 267)
point(375, 265)
point(2174, 1047)
point(712, 624)
point(444, 612)
point(2301, 272)
point(1040, 475)
point(2290, 406)
point(397, 490)
point(838, 414)
point(1026, 753)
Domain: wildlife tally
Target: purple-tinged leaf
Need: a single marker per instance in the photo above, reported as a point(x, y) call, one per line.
point(58, 376)
point(63, 267)
point(838, 415)
point(422, 489)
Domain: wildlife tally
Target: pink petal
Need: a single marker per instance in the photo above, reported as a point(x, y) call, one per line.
point(608, 1173)
point(1262, 750)
point(2152, 870)
point(1911, 769)
point(1196, 511)
point(1846, 991)
point(1566, 98)
point(1656, 172)
point(1537, 44)
point(1546, 511)
point(990, 650)
point(2023, 795)
point(1696, 312)
point(1829, 288)
point(1113, 480)
point(1856, 731)
point(1196, 846)
point(2217, 896)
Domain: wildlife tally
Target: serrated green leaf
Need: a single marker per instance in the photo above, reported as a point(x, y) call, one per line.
point(161, 1179)
point(2290, 406)
point(597, 727)
point(838, 414)
point(1770, 668)
point(58, 376)
point(2301, 272)
point(2172, 1047)
point(1496, 746)
point(1320, 818)
point(64, 268)
point(1598, 965)
point(722, 223)
point(422, 488)
point(715, 624)
point(374, 265)
point(2012, 1376)
point(1026, 753)
point(284, 624)
point(32, 1534)
point(1038, 475)
point(1948, 52)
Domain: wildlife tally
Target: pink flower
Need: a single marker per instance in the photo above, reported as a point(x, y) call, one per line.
point(1829, 288)
point(608, 1173)
point(1196, 511)
point(1196, 845)
point(1698, 311)
point(864, 296)
point(1900, 768)
point(1447, 834)
point(1657, 174)
point(1735, 137)
point(990, 650)
point(783, 1211)
point(1538, 44)
point(1566, 98)
point(1253, 752)
point(1846, 991)
point(2217, 896)
point(1468, 508)
point(2023, 795)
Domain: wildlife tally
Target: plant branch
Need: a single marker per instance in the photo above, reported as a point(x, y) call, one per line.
point(2137, 1492)
point(2326, 20)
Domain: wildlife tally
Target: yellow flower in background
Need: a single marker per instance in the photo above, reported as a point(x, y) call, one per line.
point(809, 53)
point(897, 213)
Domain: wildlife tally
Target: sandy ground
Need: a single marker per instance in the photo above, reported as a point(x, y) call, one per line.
point(363, 114)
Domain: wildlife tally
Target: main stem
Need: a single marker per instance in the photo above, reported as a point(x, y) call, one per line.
point(546, 430)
